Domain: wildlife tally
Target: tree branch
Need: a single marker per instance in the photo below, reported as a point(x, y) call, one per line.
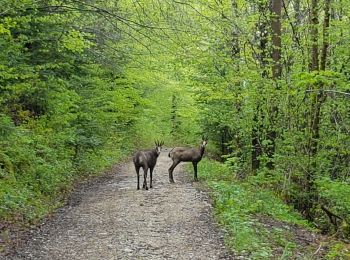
point(332, 217)
point(347, 94)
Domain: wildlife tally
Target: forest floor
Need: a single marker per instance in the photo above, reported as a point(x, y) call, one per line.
point(110, 219)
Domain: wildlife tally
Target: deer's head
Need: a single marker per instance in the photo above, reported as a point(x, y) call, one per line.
point(159, 145)
point(204, 141)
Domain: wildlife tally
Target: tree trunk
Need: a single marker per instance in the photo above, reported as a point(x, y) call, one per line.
point(262, 35)
point(314, 36)
point(297, 15)
point(325, 35)
point(317, 99)
point(256, 148)
point(314, 113)
point(174, 121)
point(225, 139)
point(296, 30)
point(276, 9)
point(235, 49)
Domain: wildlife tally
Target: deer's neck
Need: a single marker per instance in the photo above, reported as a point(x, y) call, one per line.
point(154, 151)
point(201, 150)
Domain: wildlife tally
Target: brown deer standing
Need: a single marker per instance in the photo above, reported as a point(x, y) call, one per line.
point(185, 154)
point(146, 160)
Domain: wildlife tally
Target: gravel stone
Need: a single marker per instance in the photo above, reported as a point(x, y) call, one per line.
point(110, 219)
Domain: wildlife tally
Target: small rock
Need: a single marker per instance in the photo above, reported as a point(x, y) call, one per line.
point(127, 250)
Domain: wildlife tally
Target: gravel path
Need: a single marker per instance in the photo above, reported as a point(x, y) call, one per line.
point(112, 220)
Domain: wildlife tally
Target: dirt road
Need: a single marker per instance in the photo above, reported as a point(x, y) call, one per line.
point(110, 219)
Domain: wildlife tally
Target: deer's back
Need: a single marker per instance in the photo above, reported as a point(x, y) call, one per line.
point(185, 154)
point(145, 158)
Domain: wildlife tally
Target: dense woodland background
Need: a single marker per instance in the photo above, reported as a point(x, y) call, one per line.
point(85, 83)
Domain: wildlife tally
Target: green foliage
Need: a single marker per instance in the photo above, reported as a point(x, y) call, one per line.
point(339, 250)
point(240, 205)
point(337, 192)
point(63, 113)
point(75, 41)
point(297, 125)
point(335, 196)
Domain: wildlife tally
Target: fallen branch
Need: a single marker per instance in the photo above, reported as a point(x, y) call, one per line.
point(318, 249)
point(332, 217)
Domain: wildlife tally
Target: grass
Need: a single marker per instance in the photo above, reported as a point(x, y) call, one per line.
point(241, 208)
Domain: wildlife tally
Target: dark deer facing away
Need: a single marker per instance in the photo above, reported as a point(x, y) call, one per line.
point(185, 154)
point(146, 160)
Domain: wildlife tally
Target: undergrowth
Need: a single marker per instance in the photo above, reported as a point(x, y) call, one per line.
point(241, 205)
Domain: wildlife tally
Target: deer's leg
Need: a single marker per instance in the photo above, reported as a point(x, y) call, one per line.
point(195, 170)
point(145, 170)
point(138, 176)
point(150, 175)
point(143, 184)
point(171, 169)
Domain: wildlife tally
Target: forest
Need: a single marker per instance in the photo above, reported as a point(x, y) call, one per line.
point(84, 83)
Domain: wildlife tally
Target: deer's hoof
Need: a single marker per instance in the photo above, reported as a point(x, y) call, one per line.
point(146, 188)
point(171, 181)
point(138, 188)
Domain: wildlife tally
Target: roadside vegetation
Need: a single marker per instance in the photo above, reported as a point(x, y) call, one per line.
point(257, 222)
